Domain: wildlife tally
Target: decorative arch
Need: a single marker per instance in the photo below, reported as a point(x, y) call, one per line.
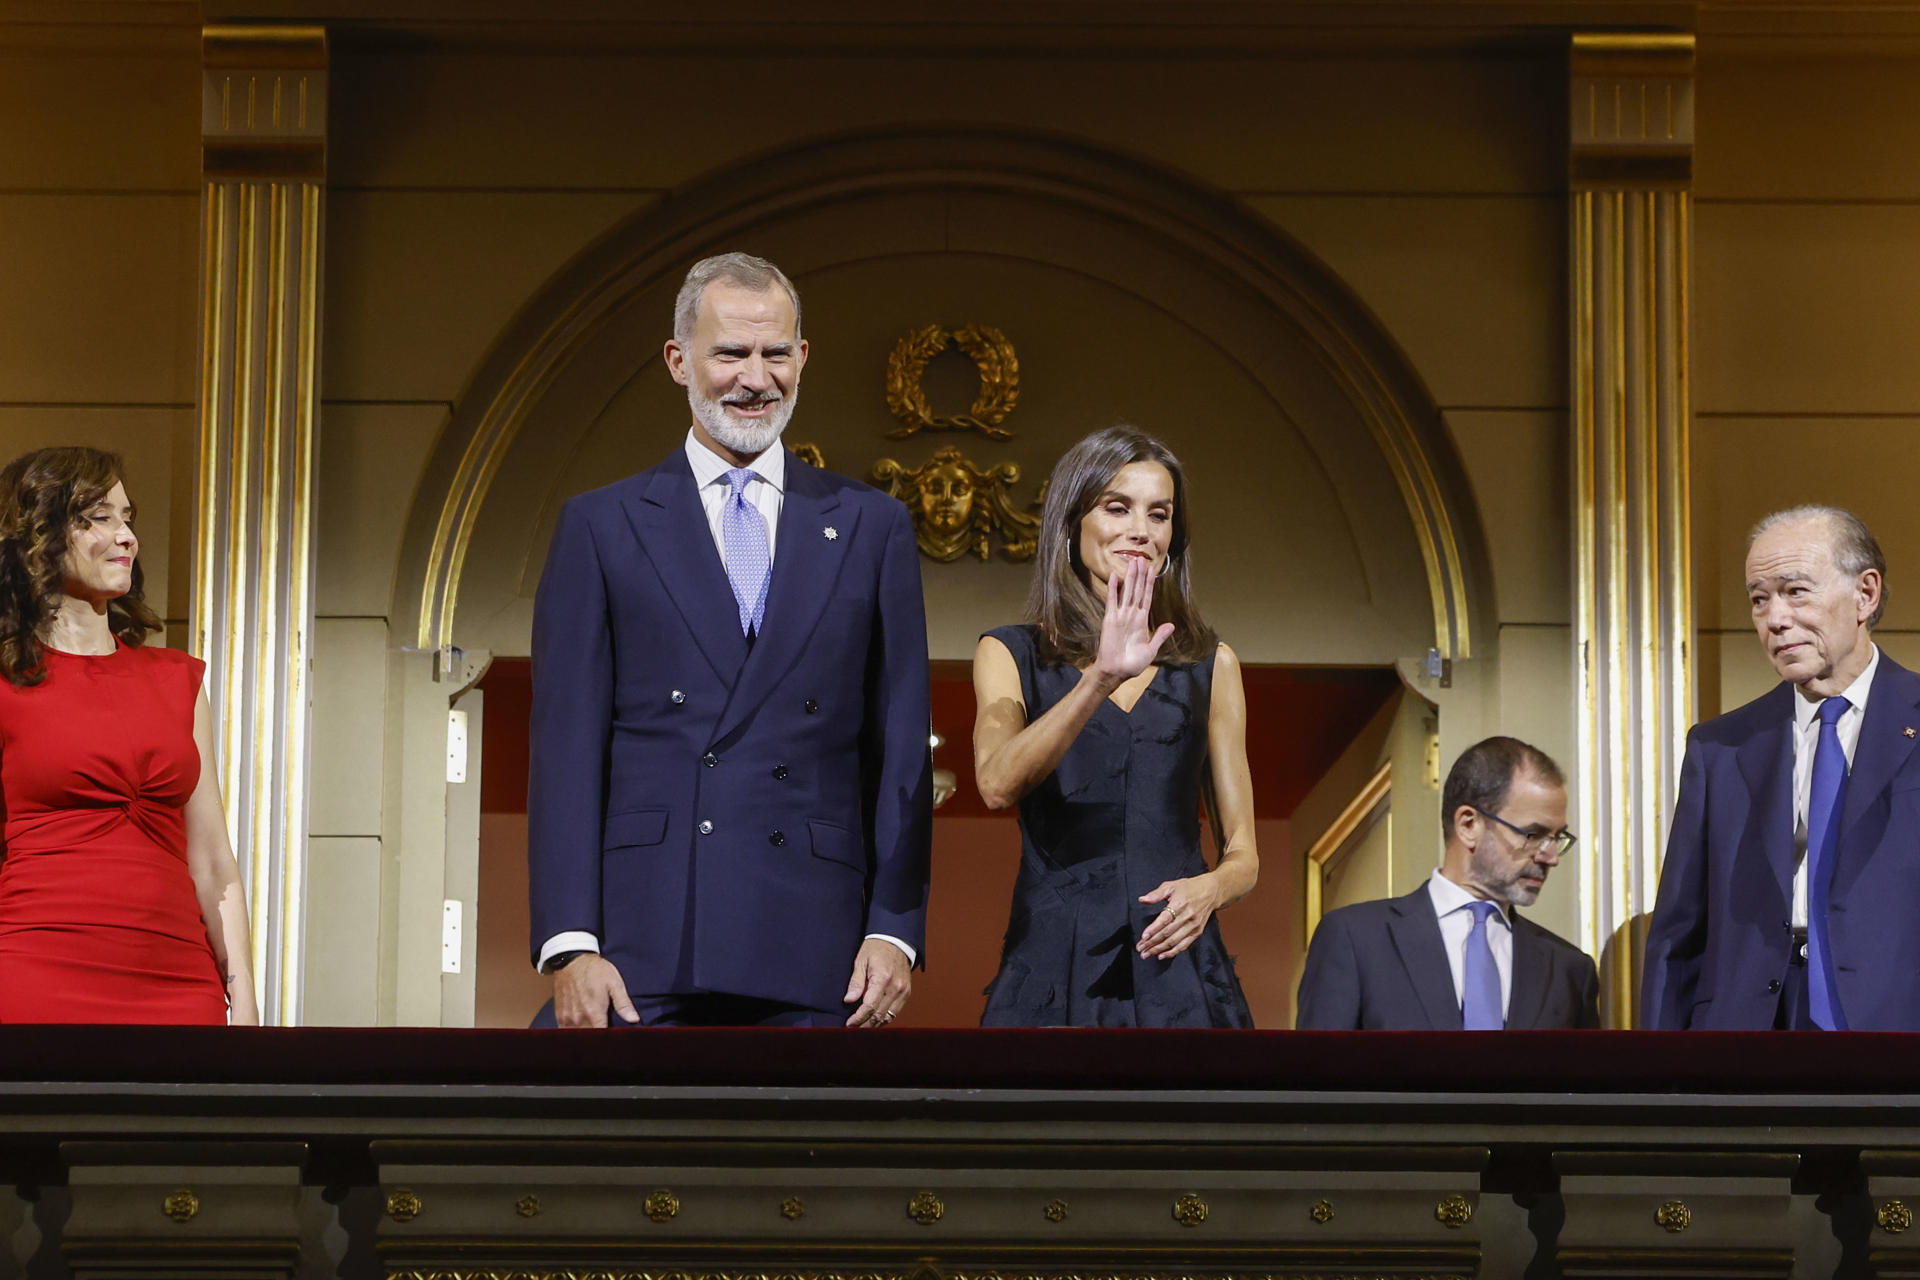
point(1205, 232)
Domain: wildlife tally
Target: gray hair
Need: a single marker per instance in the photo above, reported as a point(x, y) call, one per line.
point(743, 269)
point(1855, 549)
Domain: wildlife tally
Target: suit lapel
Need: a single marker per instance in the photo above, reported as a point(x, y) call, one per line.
point(1415, 931)
point(806, 563)
point(1878, 757)
point(1532, 958)
point(672, 530)
point(1765, 761)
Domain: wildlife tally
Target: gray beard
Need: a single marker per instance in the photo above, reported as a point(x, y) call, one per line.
point(746, 440)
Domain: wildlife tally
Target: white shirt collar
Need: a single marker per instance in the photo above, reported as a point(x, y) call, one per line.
point(708, 466)
point(1449, 897)
point(1807, 710)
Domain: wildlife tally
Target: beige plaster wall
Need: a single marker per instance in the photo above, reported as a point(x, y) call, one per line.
point(462, 180)
point(99, 210)
point(1807, 389)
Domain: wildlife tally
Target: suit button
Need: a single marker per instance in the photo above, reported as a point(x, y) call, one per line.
point(706, 827)
point(810, 706)
point(777, 839)
point(1773, 987)
point(709, 759)
point(779, 773)
point(678, 697)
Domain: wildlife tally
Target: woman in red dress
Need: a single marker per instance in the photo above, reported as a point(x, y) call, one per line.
point(120, 900)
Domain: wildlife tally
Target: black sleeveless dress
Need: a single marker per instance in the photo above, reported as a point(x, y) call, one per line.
point(1120, 815)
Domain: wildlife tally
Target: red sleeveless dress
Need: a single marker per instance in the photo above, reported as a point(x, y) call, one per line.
point(98, 918)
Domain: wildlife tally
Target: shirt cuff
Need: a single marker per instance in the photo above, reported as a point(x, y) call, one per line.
point(572, 940)
point(913, 957)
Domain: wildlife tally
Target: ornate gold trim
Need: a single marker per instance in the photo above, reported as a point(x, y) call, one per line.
point(1321, 1211)
point(992, 356)
point(1673, 1217)
point(793, 1208)
point(527, 1206)
point(1054, 1210)
point(917, 1273)
point(1894, 1217)
point(403, 1205)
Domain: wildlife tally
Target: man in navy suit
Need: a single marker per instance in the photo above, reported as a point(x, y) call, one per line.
point(1455, 953)
point(729, 808)
point(1791, 884)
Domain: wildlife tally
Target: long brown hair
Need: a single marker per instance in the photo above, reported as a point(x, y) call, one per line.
point(44, 496)
point(1062, 602)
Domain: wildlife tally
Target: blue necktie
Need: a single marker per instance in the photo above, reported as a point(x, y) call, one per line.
point(743, 531)
point(1480, 999)
point(1823, 825)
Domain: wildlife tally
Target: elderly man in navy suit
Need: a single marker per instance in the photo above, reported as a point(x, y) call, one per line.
point(1456, 954)
point(1791, 885)
point(729, 808)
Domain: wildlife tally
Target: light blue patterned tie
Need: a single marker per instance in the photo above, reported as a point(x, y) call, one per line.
point(1480, 999)
point(1823, 824)
point(743, 531)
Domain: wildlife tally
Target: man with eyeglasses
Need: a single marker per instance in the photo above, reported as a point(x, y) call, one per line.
point(1455, 954)
point(1792, 882)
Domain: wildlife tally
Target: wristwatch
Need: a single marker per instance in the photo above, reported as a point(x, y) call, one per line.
point(561, 959)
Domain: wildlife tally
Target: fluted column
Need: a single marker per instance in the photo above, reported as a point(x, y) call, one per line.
point(263, 127)
point(1631, 169)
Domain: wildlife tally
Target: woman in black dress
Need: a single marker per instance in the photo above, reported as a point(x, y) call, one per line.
point(1104, 717)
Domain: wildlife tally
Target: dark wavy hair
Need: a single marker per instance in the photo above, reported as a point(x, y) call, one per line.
point(44, 497)
point(1062, 602)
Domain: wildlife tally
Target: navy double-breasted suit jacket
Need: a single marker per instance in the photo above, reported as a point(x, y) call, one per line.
point(727, 819)
point(1382, 966)
point(1720, 941)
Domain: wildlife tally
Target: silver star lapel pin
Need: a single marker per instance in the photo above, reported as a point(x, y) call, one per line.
point(831, 534)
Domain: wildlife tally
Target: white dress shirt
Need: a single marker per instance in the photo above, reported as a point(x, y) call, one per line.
point(767, 491)
point(1806, 738)
point(1453, 906)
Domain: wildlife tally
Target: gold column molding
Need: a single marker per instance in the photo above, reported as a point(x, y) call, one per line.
point(263, 101)
point(1631, 254)
point(263, 137)
point(1631, 115)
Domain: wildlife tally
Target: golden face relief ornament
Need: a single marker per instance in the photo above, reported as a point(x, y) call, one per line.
point(959, 508)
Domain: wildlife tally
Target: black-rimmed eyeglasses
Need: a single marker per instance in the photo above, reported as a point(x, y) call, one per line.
point(1556, 842)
